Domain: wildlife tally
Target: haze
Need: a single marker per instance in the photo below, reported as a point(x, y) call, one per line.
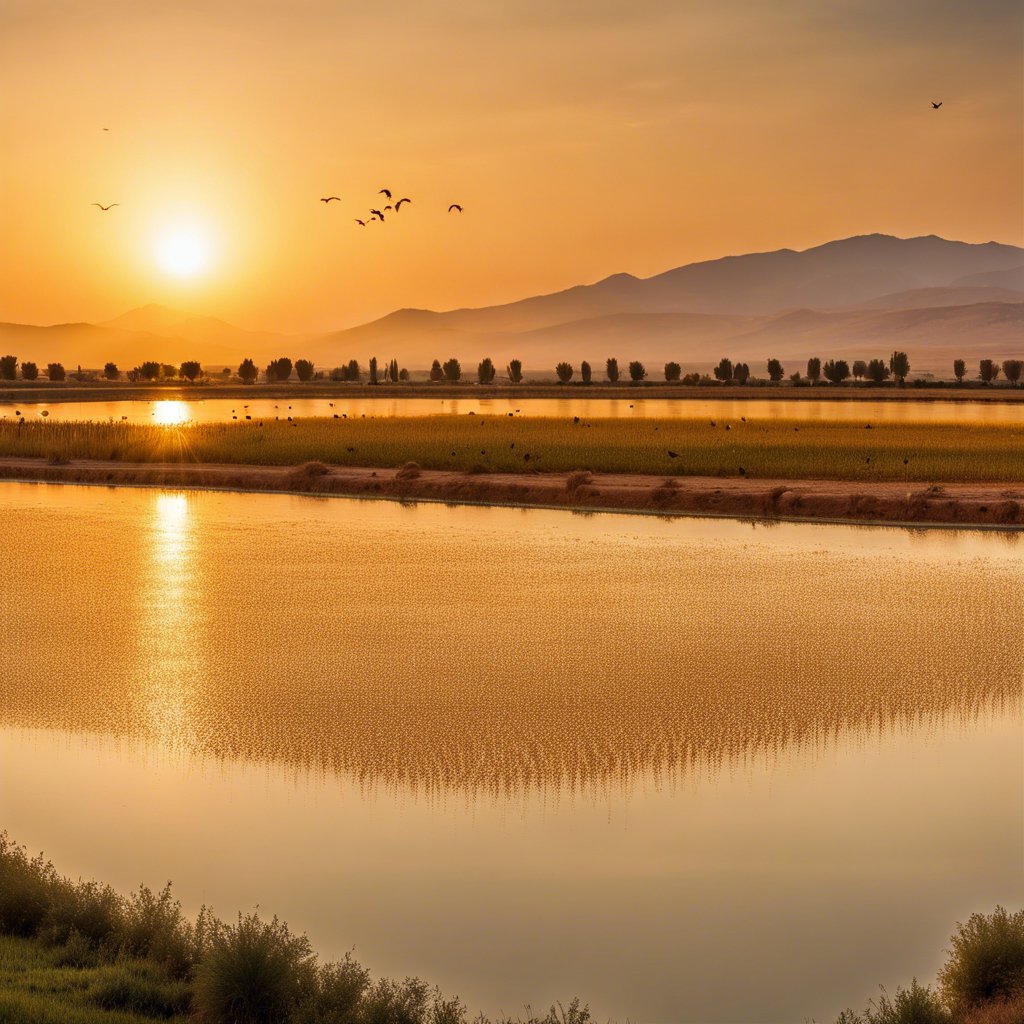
point(595, 138)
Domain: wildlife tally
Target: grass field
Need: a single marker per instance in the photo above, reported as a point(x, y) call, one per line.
point(754, 448)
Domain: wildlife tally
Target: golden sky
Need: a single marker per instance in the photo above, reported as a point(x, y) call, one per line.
point(583, 138)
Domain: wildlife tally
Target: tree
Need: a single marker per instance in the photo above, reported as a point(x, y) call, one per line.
point(959, 370)
point(988, 370)
point(168, 372)
point(29, 371)
point(564, 372)
point(515, 371)
point(149, 370)
point(673, 371)
point(8, 367)
point(392, 373)
point(225, 372)
point(247, 372)
point(836, 371)
point(611, 369)
point(279, 369)
point(190, 370)
point(860, 369)
point(304, 370)
point(637, 371)
point(877, 371)
point(775, 371)
point(1011, 370)
point(586, 373)
point(403, 374)
point(134, 375)
point(55, 371)
point(485, 371)
point(353, 372)
point(814, 370)
point(111, 372)
point(741, 373)
point(436, 373)
point(373, 370)
point(452, 370)
point(899, 365)
point(723, 371)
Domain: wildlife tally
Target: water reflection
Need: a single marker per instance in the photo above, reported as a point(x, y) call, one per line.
point(492, 652)
point(168, 414)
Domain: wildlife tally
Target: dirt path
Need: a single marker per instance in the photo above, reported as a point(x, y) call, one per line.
point(999, 505)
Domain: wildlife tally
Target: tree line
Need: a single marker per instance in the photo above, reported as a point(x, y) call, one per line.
point(835, 371)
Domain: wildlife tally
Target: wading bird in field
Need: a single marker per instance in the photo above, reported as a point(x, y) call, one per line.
point(377, 213)
point(386, 192)
point(361, 223)
point(327, 199)
point(105, 208)
point(935, 106)
point(455, 206)
point(398, 205)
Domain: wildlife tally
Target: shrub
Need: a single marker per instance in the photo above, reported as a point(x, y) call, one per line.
point(153, 927)
point(8, 367)
point(986, 960)
point(337, 995)
point(637, 371)
point(26, 888)
point(255, 972)
point(190, 370)
point(394, 1002)
point(673, 371)
point(577, 479)
point(304, 370)
point(515, 371)
point(29, 371)
point(611, 369)
point(563, 371)
point(915, 1005)
point(55, 371)
point(403, 374)
point(85, 908)
point(168, 372)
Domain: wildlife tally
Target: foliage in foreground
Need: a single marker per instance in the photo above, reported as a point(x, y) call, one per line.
point(771, 448)
point(80, 953)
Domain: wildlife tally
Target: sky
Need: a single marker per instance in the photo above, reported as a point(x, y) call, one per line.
point(582, 138)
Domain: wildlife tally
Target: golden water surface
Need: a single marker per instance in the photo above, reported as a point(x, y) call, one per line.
point(690, 770)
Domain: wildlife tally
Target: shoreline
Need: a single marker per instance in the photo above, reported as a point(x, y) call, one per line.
point(990, 506)
point(101, 392)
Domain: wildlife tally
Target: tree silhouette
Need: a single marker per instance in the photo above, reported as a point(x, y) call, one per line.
point(988, 370)
point(110, 371)
point(877, 371)
point(586, 372)
point(149, 370)
point(673, 371)
point(836, 371)
point(8, 367)
point(304, 370)
point(373, 370)
point(564, 372)
point(190, 370)
point(515, 371)
point(860, 369)
point(55, 371)
point(485, 371)
point(452, 370)
point(279, 369)
point(775, 371)
point(959, 370)
point(814, 370)
point(353, 372)
point(247, 372)
point(637, 371)
point(899, 364)
point(741, 373)
point(1011, 370)
point(29, 371)
point(611, 369)
point(436, 373)
point(723, 371)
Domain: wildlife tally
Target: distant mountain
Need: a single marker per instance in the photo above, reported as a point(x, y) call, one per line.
point(680, 313)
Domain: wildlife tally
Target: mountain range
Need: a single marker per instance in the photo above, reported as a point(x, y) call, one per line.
point(852, 298)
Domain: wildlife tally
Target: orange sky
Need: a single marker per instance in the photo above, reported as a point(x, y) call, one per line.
point(583, 140)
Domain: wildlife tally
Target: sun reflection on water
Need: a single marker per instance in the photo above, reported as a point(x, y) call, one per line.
point(170, 413)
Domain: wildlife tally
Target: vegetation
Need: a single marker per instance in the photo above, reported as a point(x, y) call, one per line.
point(515, 371)
point(55, 371)
point(959, 370)
point(111, 372)
point(304, 370)
point(486, 371)
point(436, 373)
point(78, 953)
point(814, 370)
point(586, 373)
point(637, 371)
point(279, 369)
point(190, 370)
point(611, 369)
point(982, 981)
point(8, 367)
point(899, 366)
point(761, 448)
point(452, 370)
point(723, 371)
point(988, 370)
point(374, 379)
point(29, 371)
point(775, 371)
point(878, 371)
point(1012, 370)
point(673, 371)
point(836, 371)
point(563, 371)
point(247, 372)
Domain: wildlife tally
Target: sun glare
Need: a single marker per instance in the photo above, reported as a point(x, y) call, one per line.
point(170, 414)
point(183, 251)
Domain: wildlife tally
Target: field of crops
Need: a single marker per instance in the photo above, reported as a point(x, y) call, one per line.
point(755, 448)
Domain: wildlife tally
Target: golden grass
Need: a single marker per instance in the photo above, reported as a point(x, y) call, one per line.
point(755, 448)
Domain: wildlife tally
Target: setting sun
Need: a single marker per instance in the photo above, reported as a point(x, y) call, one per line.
point(184, 251)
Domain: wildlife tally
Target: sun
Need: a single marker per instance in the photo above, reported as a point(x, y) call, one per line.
point(184, 250)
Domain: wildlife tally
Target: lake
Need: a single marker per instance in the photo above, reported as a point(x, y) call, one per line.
point(220, 410)
point(690, 770)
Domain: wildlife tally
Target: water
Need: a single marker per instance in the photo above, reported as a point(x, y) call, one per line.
point(219, 410)
point(689, 770)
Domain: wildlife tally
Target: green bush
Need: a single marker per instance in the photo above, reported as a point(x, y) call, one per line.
point(986, 960)
point(915, 1005)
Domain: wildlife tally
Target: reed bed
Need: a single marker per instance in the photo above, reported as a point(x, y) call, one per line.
point(755, 448)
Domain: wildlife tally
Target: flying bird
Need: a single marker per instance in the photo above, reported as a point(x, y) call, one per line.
point(377, 213)
point(398, 205)
point(386, 192)
point(327, 199)
point(455, 206)
point(105, 208)
point(361, 223)
point(935, 106)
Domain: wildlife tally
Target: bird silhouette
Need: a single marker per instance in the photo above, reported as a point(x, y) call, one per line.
point(327, 199)
point(398, 205)
point(105, 208)
point(386, 192)
point(361, 223)
point(387, 207)
point(455, 206)
point(935, 106)
point(673, 455)
point(377, 213)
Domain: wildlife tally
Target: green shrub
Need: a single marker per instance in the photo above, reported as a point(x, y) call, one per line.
point(394, 1002)
point(91, 910)
point(26, 888)
point(254, 972)
point(986, 960)
point(337, 995)
point(915, 1005)
point(154, 928)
